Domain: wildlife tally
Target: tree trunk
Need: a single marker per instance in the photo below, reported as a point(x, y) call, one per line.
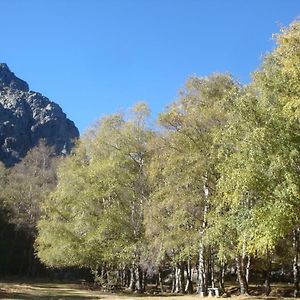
point(109, 280)
point(202, 280)
point(160, 282)
point(267, 274)
point(182, 278)
point(173, 279)
point(136, 278)
point(241, 275)
point(144, 281)
point(139, 280)
point(177, 280)
point(243, 269)
point(103, 276)
point(295, 261)
point(122, 276)
point(212, 267)
point(127, 277)
point(132, 278)
point(221, 278)
point(202, 286)
point(247, 274)
point(189, 283)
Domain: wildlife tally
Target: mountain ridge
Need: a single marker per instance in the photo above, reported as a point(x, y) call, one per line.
point(26, 117)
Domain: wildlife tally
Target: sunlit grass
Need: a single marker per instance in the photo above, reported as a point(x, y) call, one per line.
point(13, 290)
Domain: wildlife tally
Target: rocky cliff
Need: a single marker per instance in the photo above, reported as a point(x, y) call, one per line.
point(26, 117)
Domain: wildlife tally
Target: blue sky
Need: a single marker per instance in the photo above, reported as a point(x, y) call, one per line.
point(95, 57)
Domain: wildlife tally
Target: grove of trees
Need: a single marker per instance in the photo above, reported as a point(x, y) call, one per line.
point(213, 192)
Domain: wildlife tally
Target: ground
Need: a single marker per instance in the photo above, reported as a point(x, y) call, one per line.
point(55, 291)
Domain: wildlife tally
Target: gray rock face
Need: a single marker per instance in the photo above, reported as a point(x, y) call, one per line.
point(9, 80)
point(26, 117)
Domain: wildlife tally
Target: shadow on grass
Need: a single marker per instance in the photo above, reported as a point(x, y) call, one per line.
point(42, 297)
point(26, 296)
point(60, 296)
point(43, 291)
point(39, 293)
point(137, 295)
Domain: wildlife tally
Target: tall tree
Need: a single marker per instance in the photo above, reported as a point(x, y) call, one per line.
point(279, 89)
point(29, 183)
point(183, 170)
point(259, 180)
point(99, 223)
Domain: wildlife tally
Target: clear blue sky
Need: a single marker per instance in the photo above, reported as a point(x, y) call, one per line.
point(95, 57)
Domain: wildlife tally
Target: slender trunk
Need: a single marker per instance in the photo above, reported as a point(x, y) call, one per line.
point(247, 274)
point(173, 279)
point(244, 269)
point(144, 280)
point(103, 276)
point(109, 280)
point(138, 285)
point(202, 280)
point(177, 280)
point(267, 274)
point(202, 288)
point(127, 277)
point(182, 278)
point(295, 261)
point(119, 273)
point(160, 282)
point(132, 278)
point(208, 266)
point(243, 261)
point(222, 278)
point(241, 275)
point(123, 277)
point(139, 280)
point(212, 268)
point(189, 283)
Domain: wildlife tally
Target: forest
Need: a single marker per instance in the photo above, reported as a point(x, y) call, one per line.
point(209, 195)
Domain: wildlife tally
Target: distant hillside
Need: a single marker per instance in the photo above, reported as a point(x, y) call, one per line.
point(26, 117)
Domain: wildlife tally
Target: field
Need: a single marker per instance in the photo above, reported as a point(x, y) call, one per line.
point(55, 291)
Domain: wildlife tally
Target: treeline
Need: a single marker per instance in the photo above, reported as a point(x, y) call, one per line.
point(23, 188)
point(214, 190)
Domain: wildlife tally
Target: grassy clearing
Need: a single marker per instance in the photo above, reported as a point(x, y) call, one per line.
point(42, 291)
point(13, 290)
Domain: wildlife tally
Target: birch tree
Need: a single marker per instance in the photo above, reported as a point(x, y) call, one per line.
point(183, 170)
point(95, 217)
point(260, 150)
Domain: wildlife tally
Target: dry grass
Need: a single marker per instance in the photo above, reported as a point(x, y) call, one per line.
point(43, 291)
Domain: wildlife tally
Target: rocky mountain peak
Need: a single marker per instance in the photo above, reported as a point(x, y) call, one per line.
point(27, 117)
point(9, 80)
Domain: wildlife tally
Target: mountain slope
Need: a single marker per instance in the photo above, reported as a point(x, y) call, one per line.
point(26, 117)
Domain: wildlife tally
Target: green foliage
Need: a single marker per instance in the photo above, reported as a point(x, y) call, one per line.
point(30, 182)
point(183, 165)
point(259, 184)
point(95, 216)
